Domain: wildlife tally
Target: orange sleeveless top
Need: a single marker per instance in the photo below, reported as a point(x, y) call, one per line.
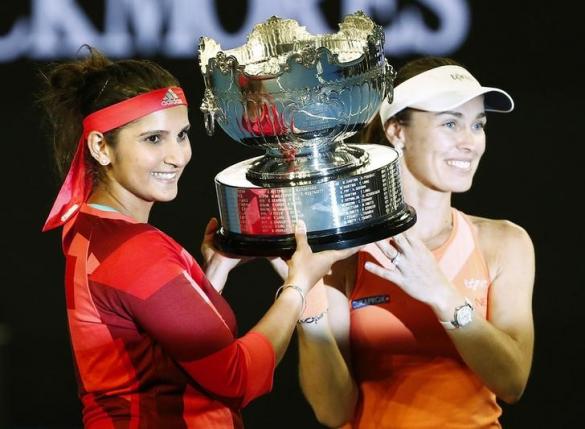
point(408, 371)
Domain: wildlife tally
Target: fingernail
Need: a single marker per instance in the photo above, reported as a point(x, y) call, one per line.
point(368, 265)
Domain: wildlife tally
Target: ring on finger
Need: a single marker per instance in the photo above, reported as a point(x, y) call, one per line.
point(395, 259)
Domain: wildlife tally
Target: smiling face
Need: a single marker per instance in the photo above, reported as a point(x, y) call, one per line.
point(442, 150)
point(148, 159)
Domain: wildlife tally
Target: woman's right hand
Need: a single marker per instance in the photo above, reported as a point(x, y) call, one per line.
point(279, 265)
point(306, 268)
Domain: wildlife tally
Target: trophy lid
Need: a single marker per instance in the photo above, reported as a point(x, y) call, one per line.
point(272, 44)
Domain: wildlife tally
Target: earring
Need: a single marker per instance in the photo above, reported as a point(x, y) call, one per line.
point(104, 162)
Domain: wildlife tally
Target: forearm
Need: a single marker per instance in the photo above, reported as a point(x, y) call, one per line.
point(325, 378)
point(245, 368)
point(499, 360)
point(217, 272)
point(279, 322)
point(243, 371)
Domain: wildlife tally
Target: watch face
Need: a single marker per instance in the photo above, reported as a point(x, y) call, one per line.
point(464, 315)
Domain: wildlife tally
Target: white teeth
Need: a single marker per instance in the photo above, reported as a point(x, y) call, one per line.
point(465, 165)
point(165, 176)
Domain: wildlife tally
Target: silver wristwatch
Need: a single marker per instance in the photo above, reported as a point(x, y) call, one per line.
point(463, 316)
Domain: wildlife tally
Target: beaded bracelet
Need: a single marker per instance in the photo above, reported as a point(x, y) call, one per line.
point(298, 289)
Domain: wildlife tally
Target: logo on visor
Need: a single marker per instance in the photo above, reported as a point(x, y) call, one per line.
point(170, 98)
point(459, 76)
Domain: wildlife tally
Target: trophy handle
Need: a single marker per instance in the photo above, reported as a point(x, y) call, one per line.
point(389, 75)
point(211, 112)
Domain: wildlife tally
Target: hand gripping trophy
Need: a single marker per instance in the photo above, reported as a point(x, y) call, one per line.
point(298, 96)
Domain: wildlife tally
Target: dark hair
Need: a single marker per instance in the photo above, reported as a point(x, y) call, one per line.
point(72, 90)
point(374, 132)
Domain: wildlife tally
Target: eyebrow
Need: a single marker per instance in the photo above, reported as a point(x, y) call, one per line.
point(185, 128)
point(458, 114)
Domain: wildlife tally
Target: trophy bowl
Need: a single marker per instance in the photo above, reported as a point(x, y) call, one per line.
point(297, 96)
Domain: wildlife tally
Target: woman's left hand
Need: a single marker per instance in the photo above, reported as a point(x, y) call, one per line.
point(413, 268)
point(217, 265)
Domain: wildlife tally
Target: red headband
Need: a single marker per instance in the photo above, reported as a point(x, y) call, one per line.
point(77, 185)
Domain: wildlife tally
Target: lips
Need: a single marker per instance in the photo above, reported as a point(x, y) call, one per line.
point(460, 164)
point(166, 176)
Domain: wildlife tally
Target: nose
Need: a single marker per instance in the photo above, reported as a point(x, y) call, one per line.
point(178, 154)
point(468, 140)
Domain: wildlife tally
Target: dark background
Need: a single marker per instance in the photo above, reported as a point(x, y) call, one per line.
point(531, 174)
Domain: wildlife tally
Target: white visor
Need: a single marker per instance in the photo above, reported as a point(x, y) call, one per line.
point(441, 89)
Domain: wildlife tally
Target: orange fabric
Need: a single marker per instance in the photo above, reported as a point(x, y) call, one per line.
point(408, 370)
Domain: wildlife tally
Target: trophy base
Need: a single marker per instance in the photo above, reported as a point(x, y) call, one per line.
point(261, 245)
point(362, 206)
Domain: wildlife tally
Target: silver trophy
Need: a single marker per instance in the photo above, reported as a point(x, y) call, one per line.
point(298, 96)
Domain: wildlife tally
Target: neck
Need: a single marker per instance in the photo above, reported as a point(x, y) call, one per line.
point(130, 206)
point(433, 211)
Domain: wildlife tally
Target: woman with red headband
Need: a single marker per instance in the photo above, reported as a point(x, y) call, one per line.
point(429, 328)
point(154, 343)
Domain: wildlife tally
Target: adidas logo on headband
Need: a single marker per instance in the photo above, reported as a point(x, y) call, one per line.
point(170, 98)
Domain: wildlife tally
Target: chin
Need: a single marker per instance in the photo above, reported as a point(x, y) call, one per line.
point(461, 187)
point(166, 197)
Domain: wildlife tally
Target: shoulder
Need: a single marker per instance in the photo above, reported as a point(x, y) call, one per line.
point(118, 234)
point(134, 246)
point(499, 230)
point(139, 261)
point(502, 242)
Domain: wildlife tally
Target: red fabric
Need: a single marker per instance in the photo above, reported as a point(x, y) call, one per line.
point(77, 185)
point(154, 344)
point(221, 372)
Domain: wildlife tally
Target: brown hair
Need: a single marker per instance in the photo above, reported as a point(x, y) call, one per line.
point(72, 90)
point(374, 132)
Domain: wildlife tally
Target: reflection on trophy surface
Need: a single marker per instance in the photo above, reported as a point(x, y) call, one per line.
point(297, 96)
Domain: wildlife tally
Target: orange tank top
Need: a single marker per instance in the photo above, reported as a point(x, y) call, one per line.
point(408, 370)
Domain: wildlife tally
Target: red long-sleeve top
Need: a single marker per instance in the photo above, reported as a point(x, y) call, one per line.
point(154, 344)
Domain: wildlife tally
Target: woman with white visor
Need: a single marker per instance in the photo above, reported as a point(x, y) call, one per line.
point(431, 327)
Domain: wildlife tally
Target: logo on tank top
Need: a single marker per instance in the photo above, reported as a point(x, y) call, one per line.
point(475, 284)
point(369, 300)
